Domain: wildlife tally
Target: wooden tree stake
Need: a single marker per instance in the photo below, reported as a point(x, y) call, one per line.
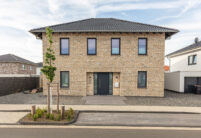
point(33, 109)
point(62, 111)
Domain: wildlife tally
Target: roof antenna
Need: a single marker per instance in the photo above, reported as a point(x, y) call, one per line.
point(196, 40)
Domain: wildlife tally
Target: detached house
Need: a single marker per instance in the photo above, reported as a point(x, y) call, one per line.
point(12, 64)
point(107, 56)
point(185, 69)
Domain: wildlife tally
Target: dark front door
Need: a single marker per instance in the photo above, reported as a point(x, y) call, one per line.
point(103, 84)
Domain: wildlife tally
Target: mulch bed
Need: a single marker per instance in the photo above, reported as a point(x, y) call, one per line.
point(27, 120)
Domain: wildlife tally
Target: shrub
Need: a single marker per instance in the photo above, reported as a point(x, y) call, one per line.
point(45, 110)
point(39, 112)
point(58, 117)
point(29, 115)
point(47, 116)
point(51, 116)
point(71, 111)
point(69, 117)
point(70, 114)
point(35, 117)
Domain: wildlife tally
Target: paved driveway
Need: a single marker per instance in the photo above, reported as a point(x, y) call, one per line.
point(170, 99)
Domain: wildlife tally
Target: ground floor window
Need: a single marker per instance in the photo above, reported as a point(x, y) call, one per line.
point(64, 79)
point(142, 79)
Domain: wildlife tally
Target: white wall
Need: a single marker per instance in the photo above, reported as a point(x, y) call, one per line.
point(172, 81)
point(180, 63)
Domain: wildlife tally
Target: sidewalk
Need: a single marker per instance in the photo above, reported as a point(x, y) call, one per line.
point(10, 113)
point(127, 108)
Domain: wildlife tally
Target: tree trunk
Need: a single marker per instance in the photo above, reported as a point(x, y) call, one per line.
point(48, 99)
point(57, 98)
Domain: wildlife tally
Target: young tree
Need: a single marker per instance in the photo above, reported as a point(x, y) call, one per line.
point(49, 69)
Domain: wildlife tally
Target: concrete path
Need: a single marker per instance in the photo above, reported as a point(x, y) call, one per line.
point(11, 117)
point(139, 119)
point(104, 100)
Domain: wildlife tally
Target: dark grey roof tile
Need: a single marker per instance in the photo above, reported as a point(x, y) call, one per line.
point(106, 25)
point(14, 59)
point(190, 47)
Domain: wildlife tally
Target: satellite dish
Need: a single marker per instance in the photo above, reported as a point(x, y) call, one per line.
point(196, 40)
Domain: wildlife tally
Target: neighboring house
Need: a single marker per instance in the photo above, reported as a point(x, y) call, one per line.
point(38, 68)
point(11, 64)
point(185, 68)
point(107, 56)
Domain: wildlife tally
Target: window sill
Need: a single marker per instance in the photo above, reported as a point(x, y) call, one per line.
point(115, 55)
point(192, 64)
point(91, 54)
point(64, 54)
point(142, 54)
point(142, 87)
point(63, 88)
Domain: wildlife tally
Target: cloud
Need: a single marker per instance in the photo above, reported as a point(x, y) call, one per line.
point(19, 16)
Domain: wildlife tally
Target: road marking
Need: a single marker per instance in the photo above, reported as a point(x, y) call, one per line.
point(101, 127)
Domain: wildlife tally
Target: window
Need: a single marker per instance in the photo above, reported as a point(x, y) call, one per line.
point(64, 79)
point(142, 79)
point(142, 46)
point(91, 46)
point(115, 46)
point(64, 46)
point(23, 67)
point(30, 68)
point(192, 60)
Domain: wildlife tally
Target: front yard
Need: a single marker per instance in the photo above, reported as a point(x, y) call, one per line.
point(170, 99)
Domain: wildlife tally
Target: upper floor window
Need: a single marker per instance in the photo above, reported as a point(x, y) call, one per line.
point(192, 60)
point(30, 68)
point(115, 44)
point(142, 46)
point(91, 46)
point(142, 79)
point(64, 46)
point(64, 79)
point(23, 67)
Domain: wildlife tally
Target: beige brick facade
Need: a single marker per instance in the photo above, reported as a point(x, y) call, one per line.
point(16, 68)
point(124, 67)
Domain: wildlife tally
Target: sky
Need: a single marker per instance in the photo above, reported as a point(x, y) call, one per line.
point(17, 17)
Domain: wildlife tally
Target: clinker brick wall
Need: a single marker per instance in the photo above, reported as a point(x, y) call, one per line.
point(79, 64)
point(16, 68)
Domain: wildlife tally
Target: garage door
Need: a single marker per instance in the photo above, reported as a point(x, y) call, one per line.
point(189, 82)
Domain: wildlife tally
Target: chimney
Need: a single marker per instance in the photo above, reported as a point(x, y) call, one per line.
point(196, 40)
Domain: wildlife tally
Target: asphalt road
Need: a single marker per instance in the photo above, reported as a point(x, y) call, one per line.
point(95, 133)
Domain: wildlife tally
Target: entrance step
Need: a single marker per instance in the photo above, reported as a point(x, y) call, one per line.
point(104, 100)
